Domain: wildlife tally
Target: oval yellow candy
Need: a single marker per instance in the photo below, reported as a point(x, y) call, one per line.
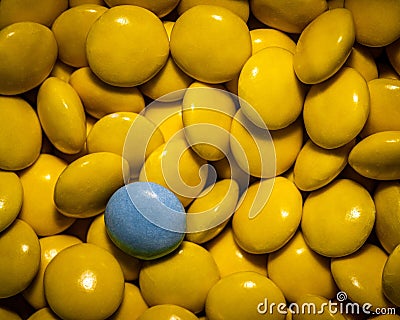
point(265, 38)
point(167, 312)
point(70, 30)
point(123, 40)
point(363, 61)
point(391, 277)
point(20, 248)
point(62, 71)
point(38, 209)
point(272, 95)
point(84, 187)
point(183, 278)
point(100, 98)
point(336, 110)
point(207, 113)
point(275, 224)
point(44, 314)
point(376, 22)
point(387, 225)
point(247, 292)
point(11, 197)
point(378, 156)
point(324, 46)
point(384, 107)
point(393, 53)
point(315, 167)
point(286, 15)
point(338, 218)
point(62, 115)
point(20, 135)
point(8, 314)
point(161, 7)
point(360, 276)
point(297, 263)
point(210, 43)
point(22, 46)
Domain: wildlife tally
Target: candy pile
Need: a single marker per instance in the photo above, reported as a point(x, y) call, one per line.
point(197, 159)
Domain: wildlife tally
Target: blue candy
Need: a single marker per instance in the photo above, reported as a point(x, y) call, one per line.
point(145, 220)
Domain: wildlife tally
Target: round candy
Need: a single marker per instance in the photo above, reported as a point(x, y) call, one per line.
point(70, 30)
point(167, 312)
point(265, 38)
point(359, 275)
point(145, 220)
point(182, 278)
point(391, 277)
point(333, 32)
point(11, 197)
point(20, 135)
point(248, 293)
point(28, 51)
point(121, 33)
point(335, 111)
point(20, 249)
point(210, 43)
point(160, 7)
point(338, 218)
point(44, 314)
point(84, 282)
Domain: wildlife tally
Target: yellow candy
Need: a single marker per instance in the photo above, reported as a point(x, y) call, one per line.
point(376, 23)
point(20, 135)
point(20, 249)
point(74, 3)
point(8, 314)
point(186, 180)
point(286, 15)
point(49, 248)
point(132, 305)
point(167, 312)
point(360, 276)
point(11, 197)
point(43, 314)
point(121, 33)
point(315, 167)
point(247, 292)
point(97, 235)
point(38, 209)
point(387, 225)
point(324, 46)
point(183, 278)
point(84, 282)
point(362, 60)
point(168, 80)
point(297, 270)
point(378, 156)
point(70, 30)
point(275, 224)
point(210, 43)
point(336, 110)
point(265, 38)
point(23, 45)
point(391, 277)
point(338, 219)
point(62, 71)
point(84, 187)
point(207, 113)
point(212, 210)
point(239, 7)
point(160, 7)
point(40, 11)
point(62, 115)
point(100, 98)
point(230, 258)
point(393, 53)
point(385, 106)
point(313, 307)
point(252, 147)
point(272, 94)
point(287, 143)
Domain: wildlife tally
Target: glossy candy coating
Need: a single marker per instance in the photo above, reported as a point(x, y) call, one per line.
point(161, 8)
point(21, 245)
point(44, 314)
point(132, 305)
point(214, 56)
point(22, 45)
point(391, 278)
point(77, 290)
point(183, 278)
point(130, 220)
point(167, 312)
point(11, 197)
point(120, 33)
point(324, 46)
